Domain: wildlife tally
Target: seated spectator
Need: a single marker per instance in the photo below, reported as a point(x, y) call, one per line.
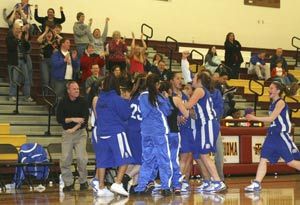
point(99, 39)
point(258, 66)
point(95, 77)
point(212, 61)
point(278, 57)
point(279, 74)
point(156, 58)
point(50, 20)
point(64, 66)
point(18, 47)
point(137, 56)
point(82, 33)
point(234, 114)
point(16, 16)
point(116, 48)
point(48, 44)
point(89, 58)
point(185, 67)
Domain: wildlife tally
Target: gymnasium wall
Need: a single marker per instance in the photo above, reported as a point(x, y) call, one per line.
point(199, 21)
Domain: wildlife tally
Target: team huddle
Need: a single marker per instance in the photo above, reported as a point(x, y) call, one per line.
point(154, 127)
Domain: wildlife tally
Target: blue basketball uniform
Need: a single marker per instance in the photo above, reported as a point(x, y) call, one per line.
point(278, 142)
point(186, 133)
point(134, 130)
point(207, 126)
point(112, 114)
point(155, 144)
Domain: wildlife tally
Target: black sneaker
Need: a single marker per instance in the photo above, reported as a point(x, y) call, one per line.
point(125, 181)
point(166, 192)
point(84, 186)
point(68, 188)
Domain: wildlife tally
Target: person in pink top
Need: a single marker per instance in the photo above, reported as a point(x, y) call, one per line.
point(137, 56)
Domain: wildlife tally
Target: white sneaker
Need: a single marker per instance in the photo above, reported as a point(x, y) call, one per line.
point(205, 184)
point(253, 187)
point(185, 185)
point(104, 193)
point(119, 189)
point(216, 186)
point(94, 183)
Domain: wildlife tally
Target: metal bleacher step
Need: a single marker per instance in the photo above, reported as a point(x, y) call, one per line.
point(28, 119)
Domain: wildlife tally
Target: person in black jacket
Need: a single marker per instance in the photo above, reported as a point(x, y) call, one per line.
point(233, 56)
point(50, 20)
point(18, 47)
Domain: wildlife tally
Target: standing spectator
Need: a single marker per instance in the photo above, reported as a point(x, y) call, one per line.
point(95, 77)
point(17, 47)
point(88, 58)
point(25, 6)
point(17, 15)
point(48, 44)
point(212, 61)
point(82, 33)
point(117, 49)
point(50, 20)
point(278, 57)
point(137, 56)
point(233, 56)
point(100, 39)
point(185, 67)
point(72, 114)
point(258, 66)
point(64, 66)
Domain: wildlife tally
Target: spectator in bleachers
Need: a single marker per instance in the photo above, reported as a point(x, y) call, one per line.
point(212, 61)
point(258, 66)
point(156, 58)
point(88, 58)
point(162, 70)
point(48, 44)
point(50, 20)
point(185, 67)
point(82, 33)
point(72, 114)
point(100, 39)
point(116, 70)
point(279, 73)
point(17, 48)
point(137, 56)
point(17, 15)
point(95, 77)
point(64, 66)
point(278, 57)
point(117, 49)
point(233, 56)
point(25, 7)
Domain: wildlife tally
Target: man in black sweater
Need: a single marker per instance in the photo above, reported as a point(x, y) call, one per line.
point(72, 114)
point(17, 48)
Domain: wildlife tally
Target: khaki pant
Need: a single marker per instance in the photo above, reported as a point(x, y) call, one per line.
point(262, 71)
point(76, 141)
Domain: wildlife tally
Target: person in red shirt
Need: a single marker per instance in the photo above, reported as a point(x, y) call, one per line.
point(137, 56)
point(87, 60)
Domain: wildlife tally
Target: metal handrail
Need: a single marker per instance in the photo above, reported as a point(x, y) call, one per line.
point(16, 81)
point(171, 49)
point(295, 100)
point(196, 60)
point(48, 91)
point(295, 46)
point(256, 94)
point(149, 27)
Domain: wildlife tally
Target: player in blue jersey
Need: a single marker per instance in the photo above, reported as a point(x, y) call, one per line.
point(186, 132)
point(278, 142)
point(207, 127)
point(114, 151)
point(174, 136)
point(134, 130)
point(154, 130)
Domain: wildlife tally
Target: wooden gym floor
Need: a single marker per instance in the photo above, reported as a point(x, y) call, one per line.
point(280, 190)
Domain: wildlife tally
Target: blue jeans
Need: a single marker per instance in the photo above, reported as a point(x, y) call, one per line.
point(59, 87)
point(45, 71)
point(80, 49)
point(14, 76)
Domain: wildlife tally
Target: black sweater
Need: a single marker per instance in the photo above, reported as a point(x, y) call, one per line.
point(67, 109)
point(44, 20)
